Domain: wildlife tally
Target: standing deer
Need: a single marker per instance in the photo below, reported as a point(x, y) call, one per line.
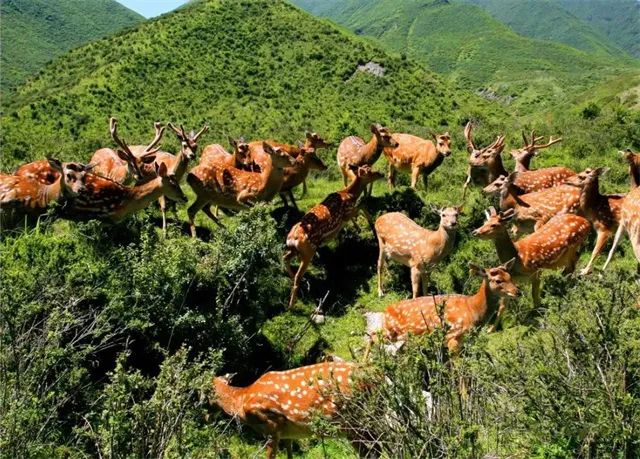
point(555, 245)
point(233, 188)
point(106, 200)
point(634, 166)
point(417, 155)
point(306, 160)
point(216, 153)
point(283, 404)
point(630, 221)
point(529, 149)
point(122, 165)
point(323, 222)
point(405, 242)
point(485, 164)
point(354, 152)
point(461, 312)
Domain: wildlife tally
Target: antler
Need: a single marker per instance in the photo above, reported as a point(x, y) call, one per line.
point(204, 129)
point(546, 145)
point(469, 137)
point(179, 132)
point(113, 129)
point(159, 127)
point(530, 144)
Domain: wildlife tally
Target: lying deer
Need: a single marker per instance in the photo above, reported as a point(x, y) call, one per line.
point(122, 165)
point(233, 188)
point(305, 161)
point(30, 195)
point(461, 312)
point(106, 200)
point(630, 221)
point(417, 155)
point(282, 405)
point(555, 245)
point(323, 222)
point(485, 164)
point(634, 166)
point(405, 242)
point(354, 152)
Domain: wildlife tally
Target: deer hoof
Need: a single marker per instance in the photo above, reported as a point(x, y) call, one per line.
point(380, 293)
point(585, 272)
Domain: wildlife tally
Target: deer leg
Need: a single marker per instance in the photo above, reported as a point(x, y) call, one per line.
point(304, 188)
point(345, 176)
point(283, 197)
point(293, 200)
point(305, 260)
point(391, 178)
point(192, 211)
point(466, 185)
point(496, 322)
point(208, 213)
point(415, 172)
point(601, 240)
point(289, 254)
point(381, 261)
point(416, 279)
point(424, 280)
point(272, 447)
point(616, 241)
point(163, 209)
point(288, 446)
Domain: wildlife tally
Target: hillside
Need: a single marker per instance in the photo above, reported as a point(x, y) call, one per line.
point(33, 32)
point(476, 51)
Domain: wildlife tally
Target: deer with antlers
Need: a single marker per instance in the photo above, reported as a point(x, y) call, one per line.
point(283, 404)
point(461, 312)
point(417, 156)
point(634, 166)
point(555, 245)
point(31, 193)
point(323, 222)
point(405, 242)
point(104, 199)
point(629, 221)
point(232, 188)
point(355, 152)
point(485, 164)
point(122, 165)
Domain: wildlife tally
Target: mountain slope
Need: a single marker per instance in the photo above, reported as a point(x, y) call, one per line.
point(476, 51)
point(35, 31)
point(187, 67)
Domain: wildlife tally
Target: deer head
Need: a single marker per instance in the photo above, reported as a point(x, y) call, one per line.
point(316, 141)
point(530, 149)
point(170, 185)
point(586, 177)
point(279, 158)
point(240, 149)
point(313, 161)
point(448, 216)
point(494, 224)
point(443, 143)
point(71, 176)
point(125, 154)
point(188, 142)
point(383, 136)
point(498, 279)
point(482, 156)
point(366, 174)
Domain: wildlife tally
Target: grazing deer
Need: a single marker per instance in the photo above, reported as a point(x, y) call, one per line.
point(106, 200)
point(405, 242)
point(122, 166)
point(417, 155)
point(461, 312)
point(283, 404)
point(305, 161)
point(233, 188)
point(354, 152)
point(485, 164)
point(323, 222)
point(555, 245)
point(634, 166)
point(30, 195)
point(630, 221)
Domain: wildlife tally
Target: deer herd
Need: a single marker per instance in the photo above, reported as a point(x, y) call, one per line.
point(542, 219)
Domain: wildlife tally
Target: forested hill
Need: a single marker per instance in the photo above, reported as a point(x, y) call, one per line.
point(231, 64)
point(35, 31)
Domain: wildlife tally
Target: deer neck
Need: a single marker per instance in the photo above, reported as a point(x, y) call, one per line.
point(504, 246)
point(509, 197)
point(229, 398)
point(496, 168)
point(447, 237)
point(634, 174)
point(355, 188)
point(140, 196)
point(371, 151)
point(484, 303)
point(272, 177)
point(523, 165)
point(590, 197)
point(180, 165)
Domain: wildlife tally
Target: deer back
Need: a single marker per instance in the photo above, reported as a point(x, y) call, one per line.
point(107, 164)
point(40, 171)
point(26, 194)
point(540, 179)
point(550, 202)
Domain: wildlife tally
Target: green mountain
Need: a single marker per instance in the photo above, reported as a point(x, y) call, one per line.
point(33, 32)
point(184, 67)
point(476, 51)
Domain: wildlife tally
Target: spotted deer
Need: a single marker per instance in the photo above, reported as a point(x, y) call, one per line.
point(232, 188)
point(30, 195)
point(216, 153)
point(106, 200)
point(323, 222)
point(554, 245)
point(634, 166)
point(485, 164)
point(306, 161)
point(461, 312)
point(282, 405)
point(122, 165)
point(405, 242)
point(629, 221)
point(355, 152)
point(417, 156)
point(529, 149)
point(42, 171)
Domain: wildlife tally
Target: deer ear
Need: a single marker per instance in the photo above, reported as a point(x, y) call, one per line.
point(232, 142)
point(266, 147)
point(123, 156)
point(509, 264)
point(308, 135)
point(148, 159)
point(475, 270)
point(602, 170)
point(55, 164)
point(375, 128)
point(507, 215)
point(353, 167)
point(161, 169)
point(435, 209)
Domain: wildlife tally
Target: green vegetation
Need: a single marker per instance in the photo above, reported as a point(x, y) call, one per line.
point(34, 32)
point(110, 334)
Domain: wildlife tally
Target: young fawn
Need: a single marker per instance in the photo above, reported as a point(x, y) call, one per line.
point(405, 242)
point(283, 404)
point(555, 245)
point(417, 156)
point(355, 152)
point(323, 222)
point(629, 221)
point(461, 312)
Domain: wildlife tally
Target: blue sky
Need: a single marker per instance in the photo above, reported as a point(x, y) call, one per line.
point(151, 8)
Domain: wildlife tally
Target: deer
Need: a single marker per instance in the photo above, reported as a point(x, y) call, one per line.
point(634, 166)
point(554, 245)
point(233, 188)
point(629, 221)
point(529, 149)
point(31, 194)
point(406, 242)
point(282, 405)
point(353, 151)
point(240, 158)
point(122, 165)
point(485, 164)
point(323, 222)
point(305, 161)
point(461, 312)
point(107, 200)
point(417, 155)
